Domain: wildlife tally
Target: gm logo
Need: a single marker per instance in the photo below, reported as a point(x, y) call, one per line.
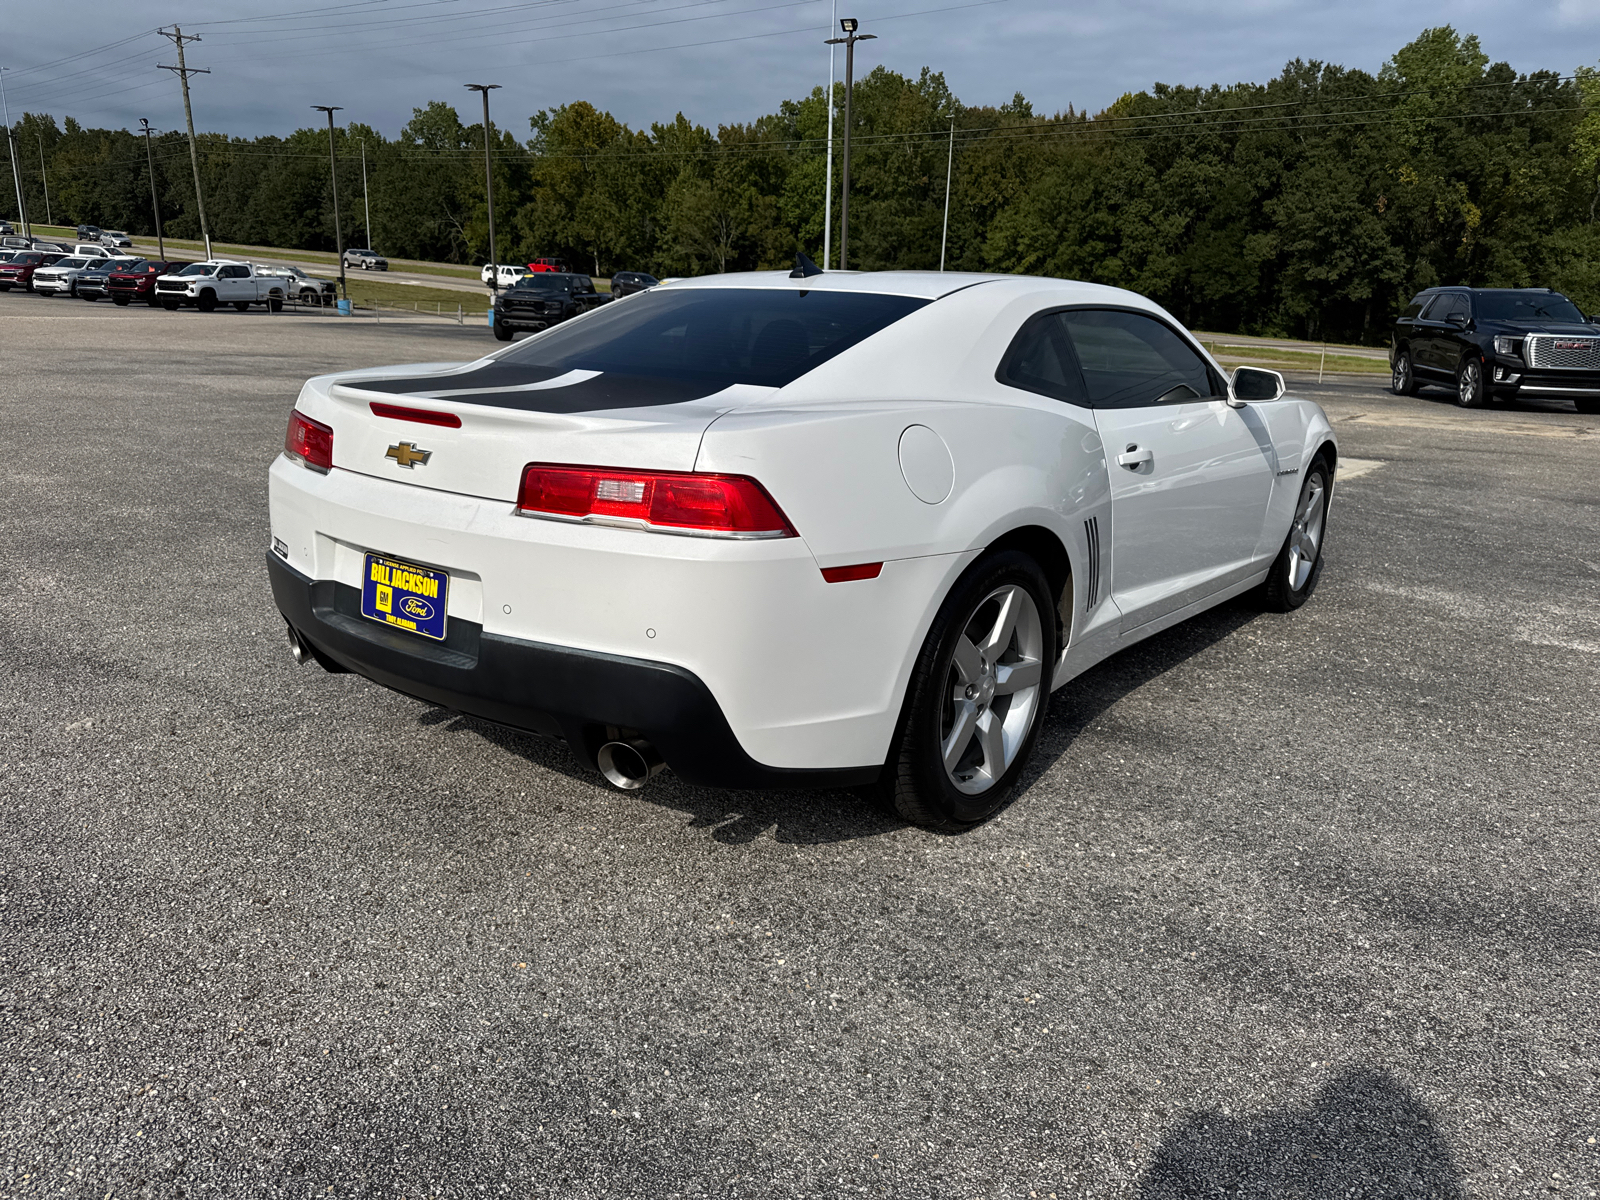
point(417, 607)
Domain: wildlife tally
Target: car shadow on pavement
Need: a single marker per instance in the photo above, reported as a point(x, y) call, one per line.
point(818, 817)
point(1077, 704)
point(1363, 1134)
point(734, 817)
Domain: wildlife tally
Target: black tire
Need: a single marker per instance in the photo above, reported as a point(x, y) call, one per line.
point(170, 303)
point(308, 297)
point(502, 333)
point(915, 780)
point(5, 287)
point(206, 301)
point(1288, 585)
point(1471, 390)
point(1402, 377)
point(91, 299)
point(1589, 405)
point(120, 301)
point(275, 304)
point(241, 305)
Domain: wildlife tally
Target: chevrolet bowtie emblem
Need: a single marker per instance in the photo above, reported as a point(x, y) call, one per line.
point(408, 455)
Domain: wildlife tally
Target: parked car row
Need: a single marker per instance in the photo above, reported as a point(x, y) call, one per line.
point(124, 279)
point(506, 275)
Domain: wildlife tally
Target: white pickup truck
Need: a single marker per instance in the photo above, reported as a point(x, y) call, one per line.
point(208, 284)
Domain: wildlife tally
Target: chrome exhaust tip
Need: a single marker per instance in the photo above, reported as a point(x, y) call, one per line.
point(298, 647)
point(629, 765)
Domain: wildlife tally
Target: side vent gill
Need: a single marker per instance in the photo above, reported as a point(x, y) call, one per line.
point(1091, 532)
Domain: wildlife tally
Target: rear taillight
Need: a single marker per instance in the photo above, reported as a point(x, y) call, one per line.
point(308, 442)
point(672, 501)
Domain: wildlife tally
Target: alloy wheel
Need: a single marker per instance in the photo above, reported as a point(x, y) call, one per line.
point(1469, 383)
point(1305, 534)
point(995, 683)
point(1401, 377)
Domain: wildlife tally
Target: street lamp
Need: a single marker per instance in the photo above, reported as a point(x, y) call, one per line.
point(849, 25)
point(155, 202)
point(488, 183)
point(333, 167)
point(16, 171)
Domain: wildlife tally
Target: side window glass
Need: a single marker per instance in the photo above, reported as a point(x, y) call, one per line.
point(1414, 309)
point(1432, 306)
point(1040, 360)
point(1451, 306)
point(1130, 360)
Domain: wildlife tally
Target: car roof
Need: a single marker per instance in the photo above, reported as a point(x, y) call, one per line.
point(926, 285)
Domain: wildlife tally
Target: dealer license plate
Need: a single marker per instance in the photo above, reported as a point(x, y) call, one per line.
point(405, 595)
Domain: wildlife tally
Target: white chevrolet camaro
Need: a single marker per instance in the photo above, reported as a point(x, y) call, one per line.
point(794, 530)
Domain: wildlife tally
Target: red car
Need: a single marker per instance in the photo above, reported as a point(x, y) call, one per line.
point(548, 264)
point(19, 271)
point(138, 282)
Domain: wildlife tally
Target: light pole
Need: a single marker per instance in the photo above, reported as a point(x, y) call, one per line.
point(366, 200)
point(44, 178)
point(849, 25)
point(827, 202)
point(488, 181)
point(155, 202)
point(949, 166)
point(333, 169)
point(16, 172)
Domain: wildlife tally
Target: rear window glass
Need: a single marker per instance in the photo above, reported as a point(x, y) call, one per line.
point(1527, 306)
point(721, 336)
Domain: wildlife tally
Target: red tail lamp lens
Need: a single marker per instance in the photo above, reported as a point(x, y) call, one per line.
point(424, 416)
point(724, 505)
point(308, 442)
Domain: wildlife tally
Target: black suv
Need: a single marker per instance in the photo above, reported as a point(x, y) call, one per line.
point(539, 301)
point(1498, 343)
point(626, 283)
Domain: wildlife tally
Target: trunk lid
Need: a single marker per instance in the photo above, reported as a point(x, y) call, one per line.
point(511, 414)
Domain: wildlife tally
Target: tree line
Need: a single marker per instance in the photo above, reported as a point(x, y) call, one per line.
point(1311, 205)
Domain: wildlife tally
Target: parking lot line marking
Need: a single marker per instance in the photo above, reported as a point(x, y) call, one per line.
point(1355, 468)
point(1486, 425)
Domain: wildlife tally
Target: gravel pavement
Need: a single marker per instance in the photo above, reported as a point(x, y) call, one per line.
point(1293, 906)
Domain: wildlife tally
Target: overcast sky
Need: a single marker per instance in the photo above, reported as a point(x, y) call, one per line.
point(715, 60)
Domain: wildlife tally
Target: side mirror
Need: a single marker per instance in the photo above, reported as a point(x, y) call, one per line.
point(1459, 320)
point(1254, 384)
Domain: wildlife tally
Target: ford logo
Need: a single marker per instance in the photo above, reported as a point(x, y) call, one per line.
point(416, 606)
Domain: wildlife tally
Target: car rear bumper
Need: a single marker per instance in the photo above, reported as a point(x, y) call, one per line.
point(584, 697)
point(737, 659)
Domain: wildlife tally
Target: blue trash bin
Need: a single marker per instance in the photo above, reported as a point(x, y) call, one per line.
point(344, 308)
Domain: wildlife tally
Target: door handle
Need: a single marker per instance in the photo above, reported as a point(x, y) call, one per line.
point(1133, 458)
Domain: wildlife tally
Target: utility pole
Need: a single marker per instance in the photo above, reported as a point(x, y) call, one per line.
point(155, 202)
point(333, 169)
point(488, 179)
point(948, 167)
point(849, 25)
point(827, 202)
point(183, 72)
point(366, 200)
point(16, 171)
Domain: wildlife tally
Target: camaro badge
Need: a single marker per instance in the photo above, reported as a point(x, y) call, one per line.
point(408, 455)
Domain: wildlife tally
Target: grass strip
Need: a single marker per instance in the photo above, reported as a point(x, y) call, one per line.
point(369, 292)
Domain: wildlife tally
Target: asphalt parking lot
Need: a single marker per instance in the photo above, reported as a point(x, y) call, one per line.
point(1295, 905)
